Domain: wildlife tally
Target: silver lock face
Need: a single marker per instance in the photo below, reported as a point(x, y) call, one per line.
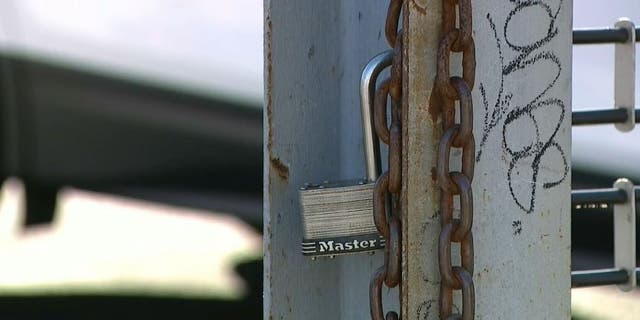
point(338, 217)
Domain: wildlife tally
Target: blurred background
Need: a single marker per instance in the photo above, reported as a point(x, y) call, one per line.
point(132, 159)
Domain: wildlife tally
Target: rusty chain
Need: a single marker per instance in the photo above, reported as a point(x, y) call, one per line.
point(388, 185)
point(447, 90)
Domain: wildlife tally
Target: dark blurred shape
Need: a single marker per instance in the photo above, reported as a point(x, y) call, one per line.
point(67, 127)
point(84, 307)
point(40, 200)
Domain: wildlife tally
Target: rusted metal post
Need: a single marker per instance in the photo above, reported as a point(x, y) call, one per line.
point(522, 128)
point(420, 225)
point(314, 54)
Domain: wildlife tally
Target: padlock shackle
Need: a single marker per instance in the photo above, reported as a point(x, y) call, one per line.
point(367, 93)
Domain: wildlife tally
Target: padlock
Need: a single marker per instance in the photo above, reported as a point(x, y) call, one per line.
point(337, 217)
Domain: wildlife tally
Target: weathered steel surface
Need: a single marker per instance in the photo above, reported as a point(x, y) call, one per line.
point(522, 179)
point(421, 225)
point(314, 55)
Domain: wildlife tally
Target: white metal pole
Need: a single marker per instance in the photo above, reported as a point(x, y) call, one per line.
point(522, 128)
point(625, 75)
point(624, 234)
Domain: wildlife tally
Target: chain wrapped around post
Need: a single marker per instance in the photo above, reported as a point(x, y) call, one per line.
point(447, 90)
point(387, 215)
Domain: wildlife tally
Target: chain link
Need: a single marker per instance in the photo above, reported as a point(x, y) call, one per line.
point(447, 90)
point(388, 186)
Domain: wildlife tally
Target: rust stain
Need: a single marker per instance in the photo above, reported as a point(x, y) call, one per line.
point(268, 82)
point(267, 101)
point(280, 168)
point(434, 106)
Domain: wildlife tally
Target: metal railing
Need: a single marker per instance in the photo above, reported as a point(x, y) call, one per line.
point(599, 196)
point(602, 116)
point(594, 198)
point(601, 277)
point(602, 35)
point(623, 195)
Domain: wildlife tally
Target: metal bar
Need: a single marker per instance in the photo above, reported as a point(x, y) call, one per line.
point(603, 35)
point(589, 196)
point(607, 195)
point(367, 92)
point(601, 277)
point(599, 116)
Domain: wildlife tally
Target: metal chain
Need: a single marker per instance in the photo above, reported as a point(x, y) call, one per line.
point(447, 90)
point(388, 186)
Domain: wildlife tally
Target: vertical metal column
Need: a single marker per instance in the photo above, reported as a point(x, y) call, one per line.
point(314, 54)
point(522, 121)
point(625, 75)
point(624, 234)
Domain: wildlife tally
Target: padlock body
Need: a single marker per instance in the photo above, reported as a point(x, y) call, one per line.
point(338, 218)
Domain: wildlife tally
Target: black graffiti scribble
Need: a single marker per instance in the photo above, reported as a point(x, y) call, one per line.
point(502, 111)
point(517, 227)
point(424, 309)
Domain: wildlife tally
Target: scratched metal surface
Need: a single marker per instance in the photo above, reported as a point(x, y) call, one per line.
point(522, 128)
point(314, 53)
